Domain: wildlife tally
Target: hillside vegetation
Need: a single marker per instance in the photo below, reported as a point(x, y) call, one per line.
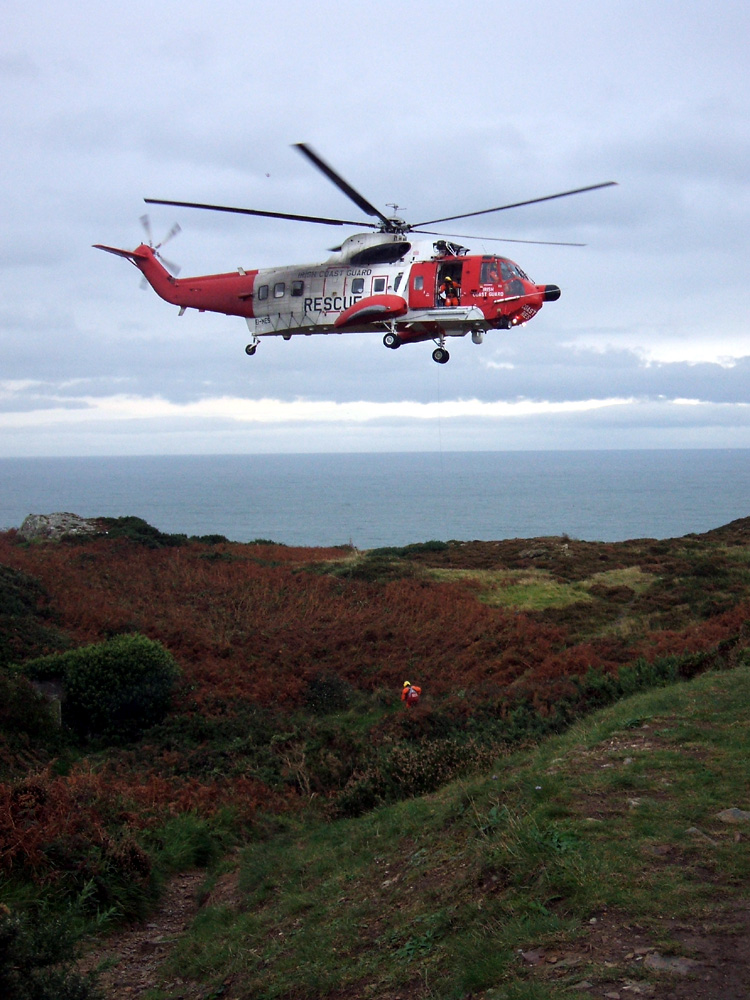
point(351, 848)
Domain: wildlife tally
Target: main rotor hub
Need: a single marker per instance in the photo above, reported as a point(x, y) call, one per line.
point(395, 225)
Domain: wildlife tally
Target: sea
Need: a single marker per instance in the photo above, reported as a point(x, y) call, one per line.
point(376, 500)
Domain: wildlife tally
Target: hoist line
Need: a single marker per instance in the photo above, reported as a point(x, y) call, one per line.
point(440, 450)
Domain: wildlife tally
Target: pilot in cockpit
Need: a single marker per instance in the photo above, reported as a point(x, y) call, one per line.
point(490, 275)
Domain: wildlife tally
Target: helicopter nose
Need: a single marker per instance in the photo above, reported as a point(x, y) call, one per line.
point(551, 293)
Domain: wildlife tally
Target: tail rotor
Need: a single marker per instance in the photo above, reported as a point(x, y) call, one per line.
point(173, 269)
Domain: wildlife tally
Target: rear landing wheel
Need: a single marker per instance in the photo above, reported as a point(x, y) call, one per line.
point(392, 340)
point(441, 356)
point(251, 349)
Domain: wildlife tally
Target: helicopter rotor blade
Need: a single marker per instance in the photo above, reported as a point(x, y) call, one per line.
point(267, 215)
point(146, 223)
point(341, 184)
point(176, 228)
point(174, 269)
point(497, 239)
point(516, 204)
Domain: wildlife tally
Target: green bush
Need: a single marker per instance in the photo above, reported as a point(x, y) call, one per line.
point(26, 627)
point(404, 771)
point(20, 594)
point(118, 687)
point(434, 545)
point(186, 841)
point(22, 709)
point(327, 692)
point(415, 548)
point(135, 529)
point(36, 958)
point(377, 568)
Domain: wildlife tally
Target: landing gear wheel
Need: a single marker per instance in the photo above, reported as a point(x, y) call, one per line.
point(441, 356)
point(392, 340)
point(251, 349)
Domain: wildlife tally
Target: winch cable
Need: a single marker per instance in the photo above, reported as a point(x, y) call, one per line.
point(441, 504)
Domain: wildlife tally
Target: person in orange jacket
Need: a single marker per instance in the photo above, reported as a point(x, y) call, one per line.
point(410, 694)
point(450, 292)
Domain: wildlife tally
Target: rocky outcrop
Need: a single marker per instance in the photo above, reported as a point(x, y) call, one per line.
point(54, 526)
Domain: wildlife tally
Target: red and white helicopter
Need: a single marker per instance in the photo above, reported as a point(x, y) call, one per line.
point(379, 281)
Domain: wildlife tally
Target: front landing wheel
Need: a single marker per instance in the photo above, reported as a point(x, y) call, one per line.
point(441, 356)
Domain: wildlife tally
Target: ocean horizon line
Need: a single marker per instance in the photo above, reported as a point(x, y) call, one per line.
point(390, 451)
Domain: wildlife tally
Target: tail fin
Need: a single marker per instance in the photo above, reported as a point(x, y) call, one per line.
point(145, 259)
point(133, 255)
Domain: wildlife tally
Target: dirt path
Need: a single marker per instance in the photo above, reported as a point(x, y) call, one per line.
point(131, 957)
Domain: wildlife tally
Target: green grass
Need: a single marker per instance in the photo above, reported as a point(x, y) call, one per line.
point(632, 577)
point(537, 590)
point(530, 590)
point(435, 896)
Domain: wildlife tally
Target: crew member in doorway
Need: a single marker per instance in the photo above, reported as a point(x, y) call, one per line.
point(450, 292)
point(410, 694)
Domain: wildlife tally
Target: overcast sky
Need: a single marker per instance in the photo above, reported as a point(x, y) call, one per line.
point(439, 107)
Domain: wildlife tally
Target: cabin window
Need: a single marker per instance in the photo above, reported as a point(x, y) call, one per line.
point(358, 286)
point(419, 283)
point(263, 292)
point(397, 282)
point(278, 290)
point(378, 285)
point(298, 288)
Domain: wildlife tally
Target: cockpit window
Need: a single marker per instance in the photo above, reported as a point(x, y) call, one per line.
point(490, 272)
point(509, 270)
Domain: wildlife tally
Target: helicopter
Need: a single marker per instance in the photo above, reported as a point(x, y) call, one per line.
point(383, 280)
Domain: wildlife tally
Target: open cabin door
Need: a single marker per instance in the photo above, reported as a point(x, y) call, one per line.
point(425, 280)
point(423, 285)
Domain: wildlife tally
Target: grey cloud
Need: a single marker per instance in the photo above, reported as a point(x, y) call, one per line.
point(156, 100)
